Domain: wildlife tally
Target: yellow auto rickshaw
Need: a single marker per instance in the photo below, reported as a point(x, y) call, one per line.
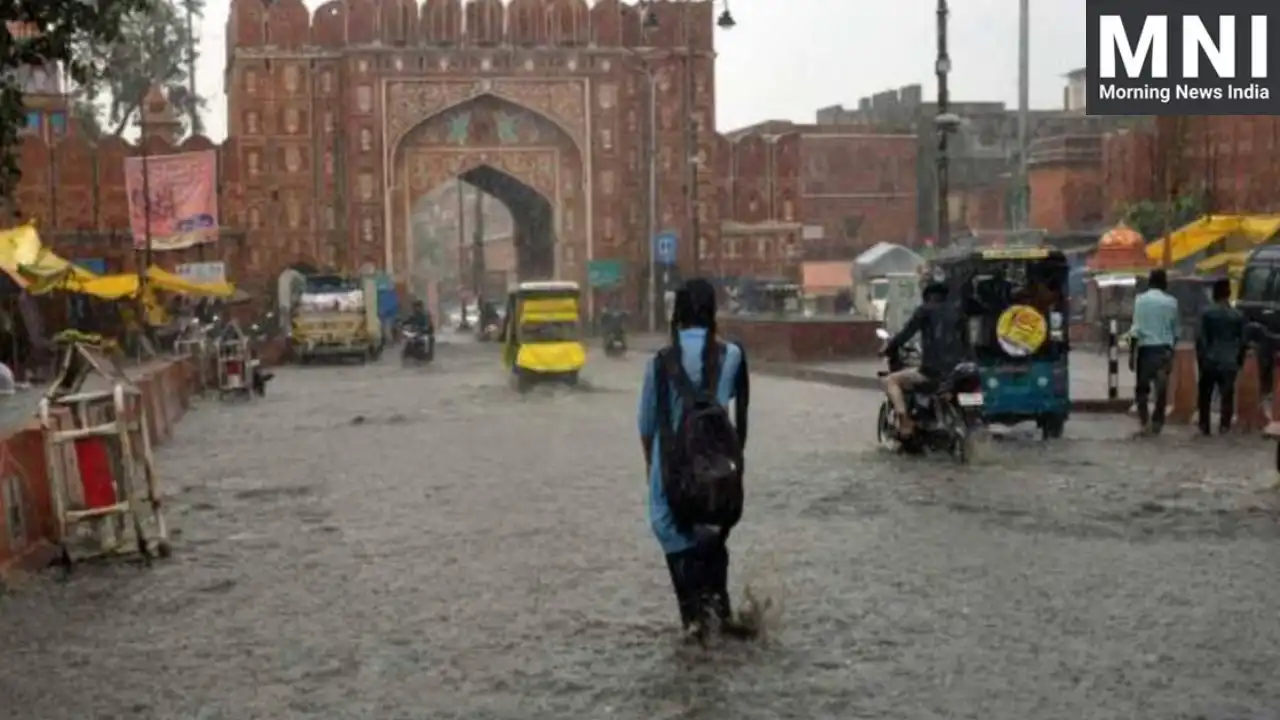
point(542, 334)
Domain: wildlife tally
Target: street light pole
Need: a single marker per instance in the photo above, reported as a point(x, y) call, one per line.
point(652, 225)
point(649, 21)
point(1024, 102)
point(691, 143)
point(945, 122)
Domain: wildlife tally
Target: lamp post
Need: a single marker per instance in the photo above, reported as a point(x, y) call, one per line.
point(649, 22)
point(944, 123)
point(1024, 101)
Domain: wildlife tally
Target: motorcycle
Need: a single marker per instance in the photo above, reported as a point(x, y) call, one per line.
point(615, 344)
point(489, 332)
point(419, 346)
point(946, 414)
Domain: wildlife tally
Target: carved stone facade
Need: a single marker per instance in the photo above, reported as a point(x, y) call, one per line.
point(380, 88)
point(340, 118)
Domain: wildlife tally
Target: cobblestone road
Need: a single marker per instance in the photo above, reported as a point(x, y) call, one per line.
point(390, 543)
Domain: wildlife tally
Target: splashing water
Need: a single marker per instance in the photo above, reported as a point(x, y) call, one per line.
point(763, 598)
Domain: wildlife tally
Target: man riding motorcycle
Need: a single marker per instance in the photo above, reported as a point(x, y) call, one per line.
point(419, 321)
point(941, 325)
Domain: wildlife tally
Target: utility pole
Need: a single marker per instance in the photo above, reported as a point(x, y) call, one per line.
point(652, 224)
point(1023, 218)
point(477, 251)
point(691, 143)
point(944, 123)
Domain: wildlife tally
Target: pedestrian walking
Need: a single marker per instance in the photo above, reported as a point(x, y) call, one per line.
point(1154, 335)
point(1220, 347)
point(694, 456)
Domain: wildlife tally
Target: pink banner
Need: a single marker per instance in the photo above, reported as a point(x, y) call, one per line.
point(184, 199)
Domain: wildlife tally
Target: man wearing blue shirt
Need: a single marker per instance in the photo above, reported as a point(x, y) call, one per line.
point(1154, 333)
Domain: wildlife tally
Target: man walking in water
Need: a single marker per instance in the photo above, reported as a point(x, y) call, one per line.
point(1220, 348)
point(1154, 333)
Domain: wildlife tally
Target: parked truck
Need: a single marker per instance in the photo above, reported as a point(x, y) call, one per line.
point(336, 316)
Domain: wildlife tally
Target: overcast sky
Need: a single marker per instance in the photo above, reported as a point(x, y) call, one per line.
point(787, 58)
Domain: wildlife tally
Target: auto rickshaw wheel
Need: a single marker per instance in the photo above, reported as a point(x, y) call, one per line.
point(571, 379)
point(523, 381)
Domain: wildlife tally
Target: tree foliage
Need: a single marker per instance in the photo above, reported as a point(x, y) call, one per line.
point(1155, 219)
point(156, 46)
point(62, 31)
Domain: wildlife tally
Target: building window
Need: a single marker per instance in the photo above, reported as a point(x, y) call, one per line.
point(852, 225)
point(762, 248)
point(33, 121)
point(733, 248)
point(58, 123)
point(704, 248)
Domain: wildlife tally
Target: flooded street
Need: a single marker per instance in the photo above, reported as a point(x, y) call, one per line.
point(391, 543)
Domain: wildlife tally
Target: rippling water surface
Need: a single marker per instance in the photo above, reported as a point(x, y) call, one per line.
point(391, 543)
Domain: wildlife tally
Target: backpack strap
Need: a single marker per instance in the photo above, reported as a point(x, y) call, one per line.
point(742, 396)
point(689, 393)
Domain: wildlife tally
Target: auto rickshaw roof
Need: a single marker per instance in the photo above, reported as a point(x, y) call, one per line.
point(549, 285)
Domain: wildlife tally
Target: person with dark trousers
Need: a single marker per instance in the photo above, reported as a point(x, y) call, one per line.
point(1154, 333)
point(1220, 348)
point(698, 556)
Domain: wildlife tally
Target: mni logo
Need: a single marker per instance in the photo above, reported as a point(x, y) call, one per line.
point(1180, 57)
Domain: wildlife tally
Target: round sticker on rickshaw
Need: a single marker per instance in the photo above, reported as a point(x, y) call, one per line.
point(1021, 330)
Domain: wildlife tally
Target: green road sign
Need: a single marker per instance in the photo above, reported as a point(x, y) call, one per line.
point(604, 273)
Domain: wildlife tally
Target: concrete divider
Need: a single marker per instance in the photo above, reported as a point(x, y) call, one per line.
point(27, 523)
point(866, 382)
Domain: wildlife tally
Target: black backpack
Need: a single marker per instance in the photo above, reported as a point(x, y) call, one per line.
point(702, 457)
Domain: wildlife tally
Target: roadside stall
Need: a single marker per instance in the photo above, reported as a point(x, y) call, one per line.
point(1115, 272)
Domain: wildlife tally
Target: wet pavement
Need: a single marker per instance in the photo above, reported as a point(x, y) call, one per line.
point(382, 542)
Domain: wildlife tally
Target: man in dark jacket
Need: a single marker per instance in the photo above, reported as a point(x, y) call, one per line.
point(1220, 347)
point(942, 346)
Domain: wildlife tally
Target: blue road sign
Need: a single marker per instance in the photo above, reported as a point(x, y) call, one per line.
point(664, 248)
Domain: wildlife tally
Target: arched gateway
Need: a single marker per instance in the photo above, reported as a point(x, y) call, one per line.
point(518, 141)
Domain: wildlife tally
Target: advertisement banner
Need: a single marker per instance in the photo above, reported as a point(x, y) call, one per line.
point(184, 199)
point(202, 272)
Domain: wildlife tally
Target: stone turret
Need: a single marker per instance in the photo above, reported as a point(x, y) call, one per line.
point(158, 117)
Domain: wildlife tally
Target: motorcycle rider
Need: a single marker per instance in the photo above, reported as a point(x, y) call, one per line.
point(941, 325)
point(419, 321)
point(612, 322)
point(489, 316)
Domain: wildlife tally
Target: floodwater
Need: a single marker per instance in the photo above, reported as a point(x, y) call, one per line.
point(387, 542)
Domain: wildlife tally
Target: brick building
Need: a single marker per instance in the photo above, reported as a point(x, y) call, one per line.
point(1234, 160)
point(843, 189)
point(983, 152)
point(341, 119)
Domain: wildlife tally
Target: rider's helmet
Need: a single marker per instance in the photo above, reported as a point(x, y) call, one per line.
point(935, 290)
